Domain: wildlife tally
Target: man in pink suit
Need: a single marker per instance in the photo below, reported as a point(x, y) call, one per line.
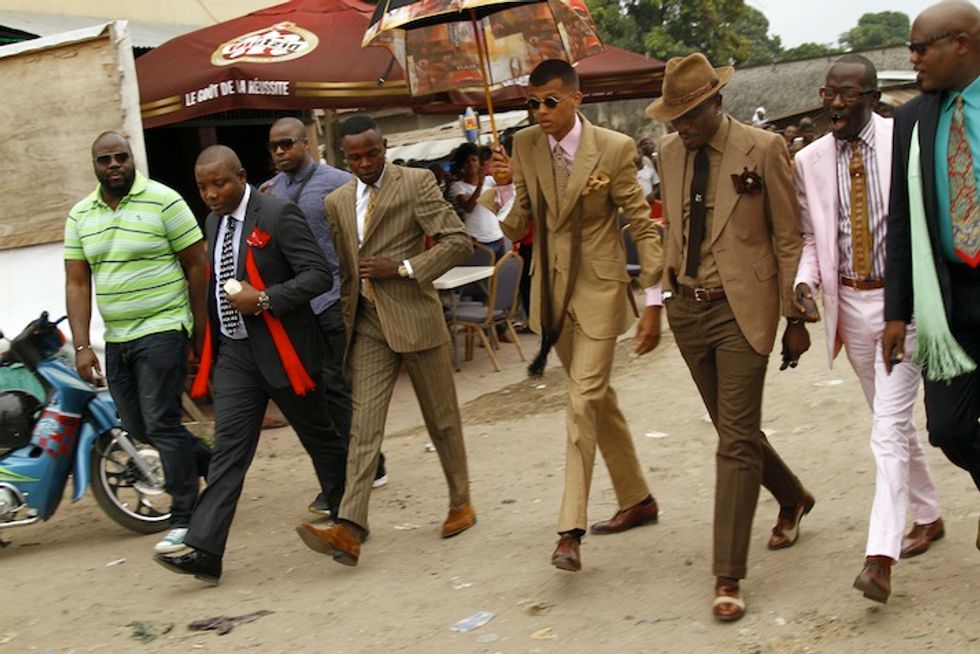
point(842, 185)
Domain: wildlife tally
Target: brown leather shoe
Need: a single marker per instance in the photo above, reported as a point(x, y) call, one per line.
point(729, 605)
point(875, 580)
point(337, 541)
point(639, 514)
point(566, 556)
point(458, 521)
point(918, 540)
point(787, 528)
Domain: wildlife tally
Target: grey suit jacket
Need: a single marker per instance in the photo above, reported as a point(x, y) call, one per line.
point(294, 271)
point(409, 207)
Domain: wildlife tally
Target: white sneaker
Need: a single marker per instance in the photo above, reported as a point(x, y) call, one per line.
point(380, 481)
point(172, 542)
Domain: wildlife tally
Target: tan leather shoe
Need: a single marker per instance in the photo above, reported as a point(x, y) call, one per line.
point(636, 515)
point(875, 580)
point(729, 605)
point(918, 540)
point(787, 528)
point(336, 541)
point(458, 521)
point(566, 555)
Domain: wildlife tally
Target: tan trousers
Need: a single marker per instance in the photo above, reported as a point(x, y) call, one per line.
point(730, 375)
point(593, 417)
point(374, 367)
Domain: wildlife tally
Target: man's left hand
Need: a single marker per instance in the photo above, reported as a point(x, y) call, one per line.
point(648, 331)
point(246, 300)
point(796, 341)
point(377, 268)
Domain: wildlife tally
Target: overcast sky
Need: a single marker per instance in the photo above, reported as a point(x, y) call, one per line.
point(822, 21)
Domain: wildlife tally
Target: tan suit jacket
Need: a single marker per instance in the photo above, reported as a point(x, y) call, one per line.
point(409, 207)
point(755, 239)
point(600, 301)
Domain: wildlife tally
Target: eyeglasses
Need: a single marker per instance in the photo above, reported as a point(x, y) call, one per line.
point(847, 93)
point(119, 157)
point(551, 102)
point(920, 47)
point(282, 144)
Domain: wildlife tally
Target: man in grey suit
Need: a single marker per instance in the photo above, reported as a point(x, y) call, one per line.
point(264, 343)
point(393, 315)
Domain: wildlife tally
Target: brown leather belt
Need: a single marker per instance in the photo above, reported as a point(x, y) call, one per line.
point(862, 284)
point(702, 294)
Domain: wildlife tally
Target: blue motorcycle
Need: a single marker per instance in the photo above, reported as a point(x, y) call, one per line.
point(54, 425)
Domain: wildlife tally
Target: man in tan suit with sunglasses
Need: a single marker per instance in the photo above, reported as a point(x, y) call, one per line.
point(393, 315)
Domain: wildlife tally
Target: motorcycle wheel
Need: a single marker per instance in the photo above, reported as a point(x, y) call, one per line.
point(123, 492)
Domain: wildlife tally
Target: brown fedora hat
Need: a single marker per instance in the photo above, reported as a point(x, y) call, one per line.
point(688, 81)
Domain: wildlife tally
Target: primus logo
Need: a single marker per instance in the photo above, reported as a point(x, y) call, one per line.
point(281, 42)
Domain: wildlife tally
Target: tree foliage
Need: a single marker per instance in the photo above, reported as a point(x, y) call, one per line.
point(877, 31)
point(808, 51)
point(760, 48)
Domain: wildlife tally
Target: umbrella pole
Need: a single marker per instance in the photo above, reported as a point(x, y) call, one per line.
point(480, 47)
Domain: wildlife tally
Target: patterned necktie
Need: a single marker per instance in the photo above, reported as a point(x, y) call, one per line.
point(963, 191)
point(860, 233)
point(560, 168)
point(699, 187)
point(368, 215)
point(226, 270)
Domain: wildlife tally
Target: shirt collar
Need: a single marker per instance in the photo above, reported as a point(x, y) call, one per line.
point(866, 136)
point(971, 96)
point(717, 142)
point(569, 144)
point(362, 187)
point(139, 185)
point(306, 170)
point(239, 212)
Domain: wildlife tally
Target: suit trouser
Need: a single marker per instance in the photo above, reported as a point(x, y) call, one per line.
point(730, 375)
point(331, 321)
point(953, 408)
point(902, 479)
point(593, 417)
point(240, 397)
point(374, 369)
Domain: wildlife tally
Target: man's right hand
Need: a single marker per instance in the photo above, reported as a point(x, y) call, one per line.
point(500, 166)
point(893, 344)
point(805, 304)
point(87, 365)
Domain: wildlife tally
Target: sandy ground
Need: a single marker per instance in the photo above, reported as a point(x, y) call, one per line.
point(648, 590)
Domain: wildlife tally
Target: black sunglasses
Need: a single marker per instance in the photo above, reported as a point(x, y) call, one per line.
point(282, 144)
point(920, 47)
point(551, 102)
point(848, 93)
point(118, 157)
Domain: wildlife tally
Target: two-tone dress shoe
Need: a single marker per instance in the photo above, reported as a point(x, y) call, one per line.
point(728, 605)
point(337, 541)
point(875, 580)
point(787, 528)
point(643, 513)
point(566, 555)
point(918, 540)
point(203, 565)
point(458, 521)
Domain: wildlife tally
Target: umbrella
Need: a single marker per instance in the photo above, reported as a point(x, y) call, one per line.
point(297, 55)
point(448, 45)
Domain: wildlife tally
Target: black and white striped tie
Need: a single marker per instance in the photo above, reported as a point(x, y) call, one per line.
point(226, 270)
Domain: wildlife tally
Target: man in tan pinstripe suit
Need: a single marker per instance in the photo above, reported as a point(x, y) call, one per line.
point(393, 315)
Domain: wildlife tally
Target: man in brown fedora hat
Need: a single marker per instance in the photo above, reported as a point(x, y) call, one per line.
point(733, 244)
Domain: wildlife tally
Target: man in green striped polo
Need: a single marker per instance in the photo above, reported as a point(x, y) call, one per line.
point(138, 241)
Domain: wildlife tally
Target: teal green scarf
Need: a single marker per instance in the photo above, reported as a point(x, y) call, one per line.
point(940, 356)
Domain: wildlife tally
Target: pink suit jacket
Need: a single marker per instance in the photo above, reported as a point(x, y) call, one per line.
point(815, 178)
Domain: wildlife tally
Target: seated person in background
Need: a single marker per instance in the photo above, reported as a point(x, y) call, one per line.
point(481, 223)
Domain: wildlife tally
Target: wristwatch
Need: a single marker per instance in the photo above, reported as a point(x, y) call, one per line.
point(402, 271)
point(263, 301)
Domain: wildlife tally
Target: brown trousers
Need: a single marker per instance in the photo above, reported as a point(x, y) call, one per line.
point(729, 375)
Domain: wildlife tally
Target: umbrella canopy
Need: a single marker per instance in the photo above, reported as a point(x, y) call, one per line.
point(297, 55)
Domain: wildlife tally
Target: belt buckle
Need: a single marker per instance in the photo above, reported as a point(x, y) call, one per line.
point(700, 294)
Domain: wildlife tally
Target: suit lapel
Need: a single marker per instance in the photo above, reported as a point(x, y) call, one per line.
point(251, 220)
point(675, 160)
point(389, 187)
point(883, 150)
point(825, 178)
point(347, 218)
point(733, 162)
point(545, 176)
point(928, 122)
point(586, 158)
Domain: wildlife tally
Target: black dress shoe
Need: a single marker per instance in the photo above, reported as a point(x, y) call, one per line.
point(203, 565)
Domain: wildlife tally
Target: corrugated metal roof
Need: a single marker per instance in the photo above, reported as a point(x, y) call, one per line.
point(143, 34)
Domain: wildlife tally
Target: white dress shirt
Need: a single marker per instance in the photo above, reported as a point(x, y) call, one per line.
point(238, 216)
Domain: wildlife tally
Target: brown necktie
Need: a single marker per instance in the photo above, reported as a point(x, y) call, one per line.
point(560, 167)
point(368, 215)
point(963, 191)
point(860, 233)
point(695, 232)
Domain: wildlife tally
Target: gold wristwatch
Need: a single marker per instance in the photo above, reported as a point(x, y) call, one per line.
point(403, 271)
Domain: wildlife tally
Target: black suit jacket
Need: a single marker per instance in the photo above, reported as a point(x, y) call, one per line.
point(898, 267)
point(294, 271)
